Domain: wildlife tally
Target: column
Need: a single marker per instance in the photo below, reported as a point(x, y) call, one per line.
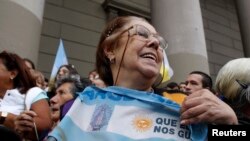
point(243, 7)
point(20, 27)
point(180, 23)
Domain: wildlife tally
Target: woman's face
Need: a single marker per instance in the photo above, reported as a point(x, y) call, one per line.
point(143, 54)
point(63, 94)
point(28, 64)
point(63, 71)
point(5, 77)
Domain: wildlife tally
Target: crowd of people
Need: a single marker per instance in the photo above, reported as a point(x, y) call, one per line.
point(118, 101)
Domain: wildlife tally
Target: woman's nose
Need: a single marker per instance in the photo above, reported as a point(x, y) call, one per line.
point(60, 72)
point(153, 43)
point(53, 99)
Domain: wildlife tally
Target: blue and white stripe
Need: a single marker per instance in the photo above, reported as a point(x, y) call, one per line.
point(120, 114)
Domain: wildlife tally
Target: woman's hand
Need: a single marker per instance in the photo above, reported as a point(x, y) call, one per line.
point(29, 124)
point(24, 123)
point(204, 106)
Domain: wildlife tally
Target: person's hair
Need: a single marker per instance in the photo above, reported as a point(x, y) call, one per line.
point(53, 83)
point(172, 85)
point(70, 67)
point(206, 79)
point(23, 80)
point(39, 77)
point(108, 40)
point(46, 79)
point(233, 79)
point(76, 84)
point(31, 63)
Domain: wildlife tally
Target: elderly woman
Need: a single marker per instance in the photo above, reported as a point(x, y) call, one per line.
point(66, 91)
point(128, 60)
point(233, 83)
point(20, 100)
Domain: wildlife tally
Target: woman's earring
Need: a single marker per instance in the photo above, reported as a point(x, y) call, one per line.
point(11, 78)
point(112, 60)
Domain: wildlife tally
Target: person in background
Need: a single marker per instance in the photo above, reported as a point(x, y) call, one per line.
point(29, 63)
point(40, 79)
point(202, 105)
point(18, 111)
point(172, 86)
point(38, 76)
point(198, 80)
point(66, 70)
point(233, 83)
point(182, 86)
point(128, 59)
point(63, 71)
point(46, 84)
point(66, 91)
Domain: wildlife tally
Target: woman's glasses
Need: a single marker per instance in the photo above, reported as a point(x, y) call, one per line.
point(144, 34)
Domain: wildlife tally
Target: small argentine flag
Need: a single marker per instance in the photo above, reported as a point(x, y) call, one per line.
point(61, 59)
point(166, 72)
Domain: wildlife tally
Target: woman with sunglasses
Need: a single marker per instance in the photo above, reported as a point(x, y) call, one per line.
point(128, 59)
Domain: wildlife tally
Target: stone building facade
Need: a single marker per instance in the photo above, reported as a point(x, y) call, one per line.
point(202, 34)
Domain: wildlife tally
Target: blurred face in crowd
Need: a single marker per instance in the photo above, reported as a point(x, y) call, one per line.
point(62, 73)
point(193, 83)
point(39, 77)
point(63, 94)
point(28, 65)
point(182, 87)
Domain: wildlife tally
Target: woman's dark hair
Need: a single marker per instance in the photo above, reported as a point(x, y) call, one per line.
point(23, 80)
point(108, 40)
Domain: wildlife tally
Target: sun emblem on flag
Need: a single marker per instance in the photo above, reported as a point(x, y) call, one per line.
point(142, 124)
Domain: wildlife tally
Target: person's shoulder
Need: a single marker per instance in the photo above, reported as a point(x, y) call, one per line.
point(35, 90)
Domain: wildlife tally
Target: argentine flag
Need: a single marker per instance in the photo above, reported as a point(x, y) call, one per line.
point(121, 114)
point(61, 59)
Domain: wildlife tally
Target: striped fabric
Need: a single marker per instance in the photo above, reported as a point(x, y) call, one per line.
point(120, 114)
